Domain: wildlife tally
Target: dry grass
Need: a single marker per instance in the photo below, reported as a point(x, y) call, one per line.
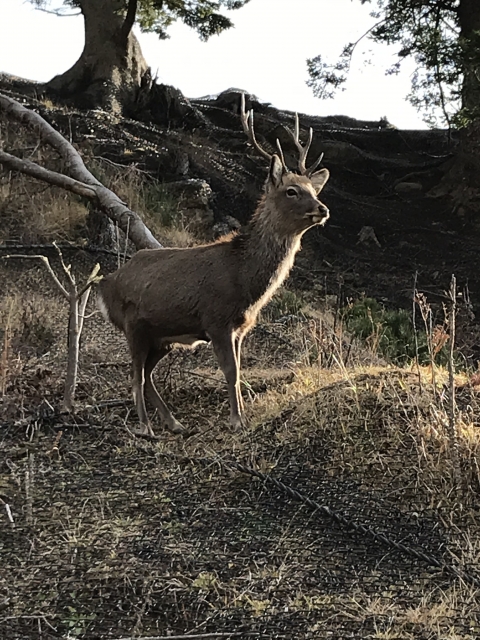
point(34, 213)
point(368, 441)
point(150, 200)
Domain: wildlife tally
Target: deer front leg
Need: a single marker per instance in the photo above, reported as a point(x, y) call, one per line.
point(238, 349)
point(226, 352)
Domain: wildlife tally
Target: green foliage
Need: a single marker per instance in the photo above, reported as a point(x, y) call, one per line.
point(157, 15)
point(284, 303)
point(161, 204)
point(437, 35)
point(388, 332)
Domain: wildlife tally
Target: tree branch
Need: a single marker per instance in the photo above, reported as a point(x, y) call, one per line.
point(52, 177)
point(129, 18)
point(110, 203)
point(93, 278)
point(46, 262)
point(58, 13)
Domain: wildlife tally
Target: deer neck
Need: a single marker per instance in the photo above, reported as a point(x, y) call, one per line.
point(267, 257)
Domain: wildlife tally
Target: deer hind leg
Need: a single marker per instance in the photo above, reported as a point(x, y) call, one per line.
point(226, 351)
point(139, 351)
point(154, 356)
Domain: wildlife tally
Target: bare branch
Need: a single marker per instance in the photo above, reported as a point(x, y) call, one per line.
point(93, 278)
point(67, 269)
point(110, 203)
point(52, 177)
point(58, 13)
point(46, 262)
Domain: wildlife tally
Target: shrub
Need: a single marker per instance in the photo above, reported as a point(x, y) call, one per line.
point(390, 332)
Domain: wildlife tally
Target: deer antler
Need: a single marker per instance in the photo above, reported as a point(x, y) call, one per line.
point(303, 151)
point(247, 123)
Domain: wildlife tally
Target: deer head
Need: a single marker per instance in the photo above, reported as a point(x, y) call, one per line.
point(293, 194)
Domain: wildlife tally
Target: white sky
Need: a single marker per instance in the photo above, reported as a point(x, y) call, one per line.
point(264, 54)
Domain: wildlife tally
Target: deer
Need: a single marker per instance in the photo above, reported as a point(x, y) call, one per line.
point(213, 293)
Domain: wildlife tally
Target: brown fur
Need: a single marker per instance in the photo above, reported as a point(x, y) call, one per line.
point(213, 292)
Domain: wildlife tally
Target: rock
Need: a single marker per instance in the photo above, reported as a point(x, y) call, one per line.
point(230, 99)
point(347, 122)
point(339, 153)
point(409, 189)
point(225, 226)
point(367, 236)
point(193, 197)
point(168, 106)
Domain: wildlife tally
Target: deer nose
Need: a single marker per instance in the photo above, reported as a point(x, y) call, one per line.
point(323, 211)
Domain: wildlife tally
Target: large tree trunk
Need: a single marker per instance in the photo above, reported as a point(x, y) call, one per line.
point(462, 181)
point(111, 69)
point(469, 17)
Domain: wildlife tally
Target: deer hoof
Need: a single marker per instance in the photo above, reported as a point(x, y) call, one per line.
point(177, 427)
point(237, 422)
point(144, 431)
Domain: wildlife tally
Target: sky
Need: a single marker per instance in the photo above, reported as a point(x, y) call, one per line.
point(264, 54)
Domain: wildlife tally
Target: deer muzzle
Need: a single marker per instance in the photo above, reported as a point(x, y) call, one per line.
point(321, 215)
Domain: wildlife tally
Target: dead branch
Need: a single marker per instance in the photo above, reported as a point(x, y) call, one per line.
point(193, 636)
point(452, 407)
point(77, 300)
point(107, 200)
point(52, 177)
point(46, 262)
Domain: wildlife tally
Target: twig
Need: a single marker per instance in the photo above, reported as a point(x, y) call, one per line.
point(414, 322)
point(68, 246)
point(77, 301)
point(452, 409)
point(93, 278)
point(198, 636)
point(56, 442)
point(9, 512)
point(46, 262)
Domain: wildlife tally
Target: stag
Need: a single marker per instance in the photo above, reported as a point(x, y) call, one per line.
point(163, 298)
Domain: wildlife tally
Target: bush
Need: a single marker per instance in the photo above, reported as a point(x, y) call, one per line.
point(390, 332)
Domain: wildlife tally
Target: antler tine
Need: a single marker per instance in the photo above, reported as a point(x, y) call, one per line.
point(282, 157)
point(302, 151)
point(297, 129)
point(311, 169)
point(247, 123)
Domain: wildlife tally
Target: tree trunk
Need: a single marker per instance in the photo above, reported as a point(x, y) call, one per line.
point(462, 180)
point(469, 18)
point(111, 68)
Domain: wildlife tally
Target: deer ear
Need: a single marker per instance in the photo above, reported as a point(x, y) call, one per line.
point(319, 178)
point(275, 174)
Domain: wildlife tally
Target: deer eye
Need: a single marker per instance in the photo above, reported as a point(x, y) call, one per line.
point(291, 192)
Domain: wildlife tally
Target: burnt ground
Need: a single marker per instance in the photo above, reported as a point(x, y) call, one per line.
point(115, 537)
